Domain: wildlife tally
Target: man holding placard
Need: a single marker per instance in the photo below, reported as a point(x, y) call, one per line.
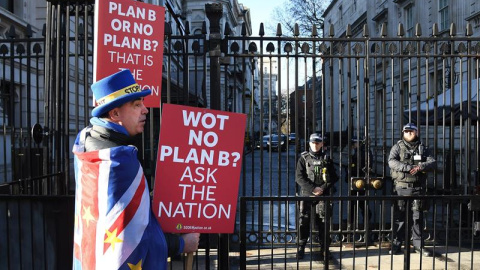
point(114, 224)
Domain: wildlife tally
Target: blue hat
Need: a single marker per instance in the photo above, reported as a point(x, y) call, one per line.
point(316, 137)
point(116, 90)
point(410, 126)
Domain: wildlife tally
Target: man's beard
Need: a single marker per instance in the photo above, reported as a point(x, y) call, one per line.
point(410, 139)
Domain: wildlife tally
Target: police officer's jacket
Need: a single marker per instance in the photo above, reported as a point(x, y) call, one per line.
point(315, 170)
point(404, 156)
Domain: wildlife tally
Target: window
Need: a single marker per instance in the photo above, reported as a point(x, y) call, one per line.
point(266, 107)
point(443, 10)
point(354, 92)
point(4, 88)
point(406, 95)
point(6, 102)
point(353, 113)
point(378, 28)
point(198, 32)
point(379, 108)
point(436, 86)
point(409, 27)
point(7, 4)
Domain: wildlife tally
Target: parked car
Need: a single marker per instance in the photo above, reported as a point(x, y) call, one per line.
point(277, 143)
point(291, 138)
point(263, 142)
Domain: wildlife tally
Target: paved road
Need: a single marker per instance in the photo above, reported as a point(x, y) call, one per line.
point(344, 258)
point(277, 178)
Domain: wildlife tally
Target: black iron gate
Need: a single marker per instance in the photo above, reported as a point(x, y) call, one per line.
point(355, 86)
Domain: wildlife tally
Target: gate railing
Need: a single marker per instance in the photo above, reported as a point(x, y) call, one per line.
point(451, 230)
point(343, 86)
point(21, 100)
point(36, 232)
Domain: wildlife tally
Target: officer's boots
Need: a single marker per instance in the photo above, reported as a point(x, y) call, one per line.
point(324, 255)
point(301, 252)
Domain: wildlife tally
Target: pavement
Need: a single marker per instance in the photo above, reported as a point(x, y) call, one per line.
point(344, 257)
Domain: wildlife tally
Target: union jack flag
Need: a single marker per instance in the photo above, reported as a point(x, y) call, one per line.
point(114, 225)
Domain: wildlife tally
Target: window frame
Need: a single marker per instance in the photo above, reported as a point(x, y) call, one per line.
point(409, 24)
point(8, 5)
point(444, 15)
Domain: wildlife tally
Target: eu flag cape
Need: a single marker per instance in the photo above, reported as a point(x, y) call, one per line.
point(114, 225)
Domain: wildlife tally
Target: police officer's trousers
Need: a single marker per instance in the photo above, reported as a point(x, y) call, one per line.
point(415, 219)
point(307, 211)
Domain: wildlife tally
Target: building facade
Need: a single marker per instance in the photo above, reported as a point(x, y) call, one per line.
point(268, 96)
point(382, 19)
point(20, 20)
point(376, 93)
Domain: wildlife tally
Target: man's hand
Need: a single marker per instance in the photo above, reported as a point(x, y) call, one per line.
point(317, 191)
point(415, 170)
point(191, 242)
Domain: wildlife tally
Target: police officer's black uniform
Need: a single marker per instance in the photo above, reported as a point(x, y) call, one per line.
point(403, 157)
point(314, 169)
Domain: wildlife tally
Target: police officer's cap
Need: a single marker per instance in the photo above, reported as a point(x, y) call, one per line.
point(316, 137)
point(410, 126)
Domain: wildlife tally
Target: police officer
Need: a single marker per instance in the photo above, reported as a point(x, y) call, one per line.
point(316, 176)
point(409, 162)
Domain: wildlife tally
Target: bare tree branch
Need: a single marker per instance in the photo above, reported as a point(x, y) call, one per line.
point(305, 13)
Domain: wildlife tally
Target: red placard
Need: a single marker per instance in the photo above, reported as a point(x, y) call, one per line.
point(198, 169)
point(129, 35)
